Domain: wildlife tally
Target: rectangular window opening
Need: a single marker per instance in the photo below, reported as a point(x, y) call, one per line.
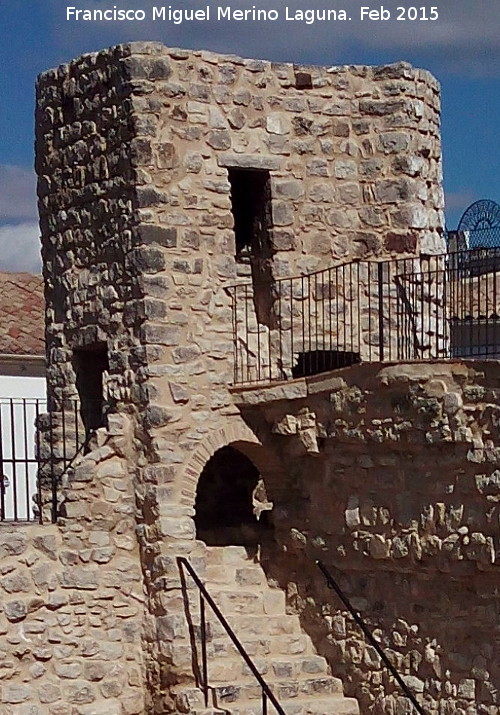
point(251, 208)
point(90, 364)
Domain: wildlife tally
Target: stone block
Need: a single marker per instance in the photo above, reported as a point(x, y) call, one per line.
point(110, 706)
point(274, 602)
point(167, 335)
point(13, 693)
point(186, 353)
point(161, 235)
point(12, 544)
point(177, 528)
point(249, 161)
point(15, 610)
point(219, 139)
point(149, 260)
point(80, 578)
point(131, 705)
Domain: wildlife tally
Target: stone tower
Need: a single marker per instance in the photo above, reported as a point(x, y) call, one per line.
point(165, 177)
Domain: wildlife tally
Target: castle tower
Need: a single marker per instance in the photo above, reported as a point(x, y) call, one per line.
point(165, 178)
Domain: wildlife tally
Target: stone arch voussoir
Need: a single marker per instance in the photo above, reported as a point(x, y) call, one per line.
point(239, 436)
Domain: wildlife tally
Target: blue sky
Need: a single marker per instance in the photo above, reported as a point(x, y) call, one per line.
point(461, 48)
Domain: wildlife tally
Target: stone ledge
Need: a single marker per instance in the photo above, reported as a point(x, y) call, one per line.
point(249, 161)
point(254, 395)
point(363, 374)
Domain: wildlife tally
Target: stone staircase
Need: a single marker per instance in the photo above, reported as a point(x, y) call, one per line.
point(282, 652)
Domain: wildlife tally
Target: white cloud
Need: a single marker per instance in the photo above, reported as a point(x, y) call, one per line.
point(20, 247)
point(459, 200)
point(17, 193)
point(465, 38)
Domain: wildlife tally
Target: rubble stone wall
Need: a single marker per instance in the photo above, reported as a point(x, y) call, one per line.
point(134, 145)
point(391, 478)
point(72, 597)
point(87, 214)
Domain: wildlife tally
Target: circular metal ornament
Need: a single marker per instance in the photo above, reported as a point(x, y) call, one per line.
point(482, 214)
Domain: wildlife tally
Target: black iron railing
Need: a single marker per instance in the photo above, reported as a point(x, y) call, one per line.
point(420, 308)
point(332, 584)
point(37, 447)
point(203, 674)
point(19, 450)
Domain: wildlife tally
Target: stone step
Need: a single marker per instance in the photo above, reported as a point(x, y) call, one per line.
point(225, 699)
point(283, 645)
point(233, 668)
point(283, 654)
point(278, 648)
point(232, 598)
point(249, 627)
point(333, 705)
point(235, 602)
point(257, 625)
point(230, 555)
point(244, 575)
point(283, 689)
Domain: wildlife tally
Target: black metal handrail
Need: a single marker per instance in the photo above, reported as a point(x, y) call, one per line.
point(267, 693)
point(332, 584)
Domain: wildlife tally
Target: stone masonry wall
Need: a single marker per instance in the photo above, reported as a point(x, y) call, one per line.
point(133, 147)
point(72, 597)
point(390, 476)
point(133, 150)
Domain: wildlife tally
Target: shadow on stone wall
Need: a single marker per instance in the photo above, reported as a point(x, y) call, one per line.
point(391, 478)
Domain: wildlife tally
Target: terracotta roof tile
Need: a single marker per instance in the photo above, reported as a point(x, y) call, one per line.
point(21, 314)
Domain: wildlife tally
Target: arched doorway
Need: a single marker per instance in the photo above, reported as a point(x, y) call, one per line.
point(231, 506)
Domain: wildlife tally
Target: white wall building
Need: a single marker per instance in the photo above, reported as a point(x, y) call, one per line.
point(22, 390)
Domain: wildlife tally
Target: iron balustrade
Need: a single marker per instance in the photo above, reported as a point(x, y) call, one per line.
point(37, 447)
point(205, 598)
point(425, 307)
point(333, 585)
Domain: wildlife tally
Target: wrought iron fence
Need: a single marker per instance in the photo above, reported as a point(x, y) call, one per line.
point(19, 458)
point(425, 307)
point(36, 448)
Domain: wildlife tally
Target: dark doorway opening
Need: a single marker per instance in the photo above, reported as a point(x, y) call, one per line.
point(231, 505)
point(90, 363)
point(251, 207)
point(252, 213)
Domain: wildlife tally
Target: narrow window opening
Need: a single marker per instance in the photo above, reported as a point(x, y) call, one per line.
point(303, 80)
point(252, 212)
point(90, 364)
point(251, 207)
point(68, 109)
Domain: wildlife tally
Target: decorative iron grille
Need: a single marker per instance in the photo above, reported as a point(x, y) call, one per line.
point(485, 238)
